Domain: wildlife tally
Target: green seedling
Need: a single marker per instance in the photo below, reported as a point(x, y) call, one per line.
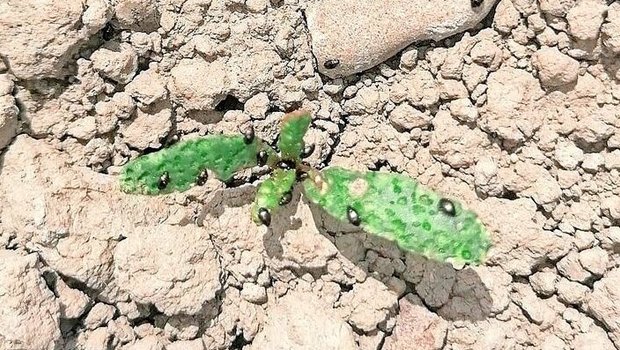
point(389, 205)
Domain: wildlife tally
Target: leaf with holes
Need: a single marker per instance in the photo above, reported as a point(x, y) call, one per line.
point(182, 165)
point(272, 193)
point(294, 127)
point(399, 209)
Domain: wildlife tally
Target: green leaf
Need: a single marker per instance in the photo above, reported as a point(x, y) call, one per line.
point(185, 161)
point(399, 209)
point(293, 128)
point(270, 193)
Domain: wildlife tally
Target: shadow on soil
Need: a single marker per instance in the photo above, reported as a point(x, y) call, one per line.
point(453, 294)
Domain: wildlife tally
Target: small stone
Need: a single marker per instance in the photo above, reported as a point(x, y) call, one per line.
point(585, 19)
point(611, 207)
point(99, 315)
point(452, 89)
point(409, 58)
point(463, 110)
point(368, 304)
point(568, 178)
point(132, 311)
point(584, 239)
point(193, 92)
point(137, 15)
point(141, 42)
point(552, 342)
point(568, 155)
point(116, 62)
point(298, 320)
point(571, 292)
point(612, 160)
point(416, 327)
point(84, 128)
point(147, 130)
point(383, 266)
point(181, 327)
point(592, 129)
point(254, 293)
point(73, 302)
point(147, 87)
point(594, 260)
point(401, 23)
point(485, 52)
point(535, 308)
point(555, 69)
point(544, 283)
point(571, 315)
point(257, 106)
point(592, 162)
point(405, 117)
point(570, 268)
point(506, 17)
point(581, 215)
point(611, 28)
point(396, 285)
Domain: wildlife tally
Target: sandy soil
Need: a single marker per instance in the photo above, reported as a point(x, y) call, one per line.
point(518, 117)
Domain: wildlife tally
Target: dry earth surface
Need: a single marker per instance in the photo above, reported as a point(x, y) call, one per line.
point(519, 117)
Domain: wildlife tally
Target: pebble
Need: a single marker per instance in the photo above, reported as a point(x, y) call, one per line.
point(594, 260)
point(571, 292)
point(555, 69)
point(543, 283)
point(568, 155)
point(350, 36)
point(592, 162)
point(99, 315)
point(570, 267)
point(585, 19)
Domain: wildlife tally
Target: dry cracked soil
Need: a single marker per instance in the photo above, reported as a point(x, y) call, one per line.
point(516, 113)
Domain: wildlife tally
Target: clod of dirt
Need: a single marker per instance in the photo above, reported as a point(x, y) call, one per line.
point(377, 30)
point(193, 92)
point(602, 303)
point(21, 284)
point(555, 69)
point(510, 251)
point(178, 275)
point(72, 217)
point(39, 39)
point(116, 62)
point(298, 321)
point(368, 304)
point(8, 111)
point(416, 327)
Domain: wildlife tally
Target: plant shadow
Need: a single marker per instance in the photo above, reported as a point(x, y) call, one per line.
point(451, 293)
